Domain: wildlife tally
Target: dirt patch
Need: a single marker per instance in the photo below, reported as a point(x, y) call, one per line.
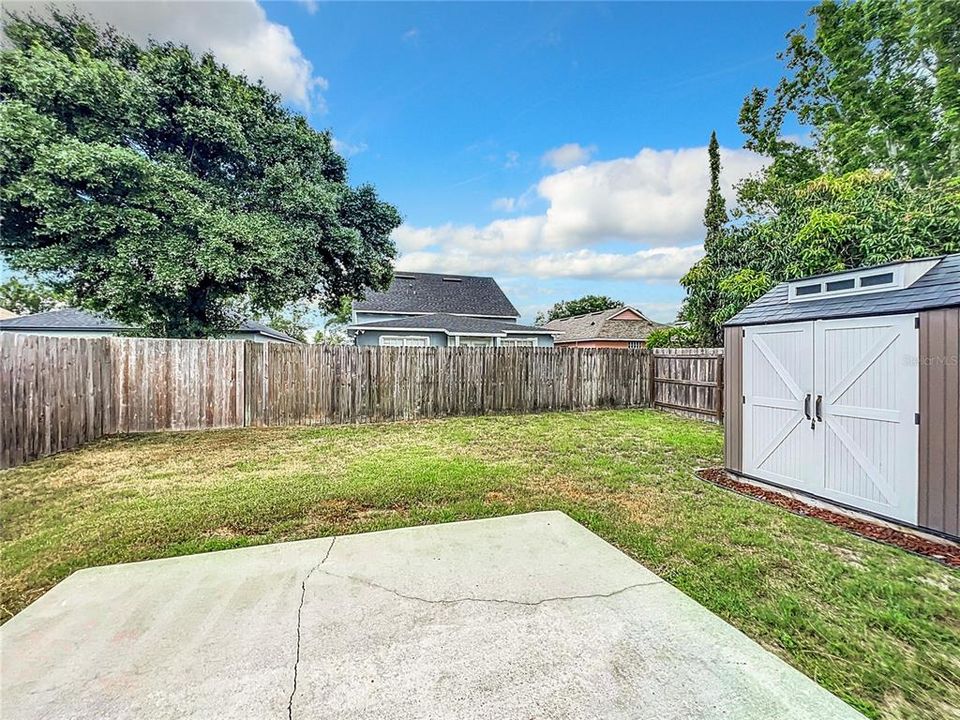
point(943, 552)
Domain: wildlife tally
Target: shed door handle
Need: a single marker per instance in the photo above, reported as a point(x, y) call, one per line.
point(806, 406)
point(820, 408)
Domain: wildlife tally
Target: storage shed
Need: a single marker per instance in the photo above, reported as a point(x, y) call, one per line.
point(846, 387)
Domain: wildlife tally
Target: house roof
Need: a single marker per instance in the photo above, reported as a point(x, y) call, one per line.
point(6, 314)
point(603, 325)
point(63, 319)
point(434, 293)
point(938, 287)
point(81, 320)
point(454, 325)
point(252, 326)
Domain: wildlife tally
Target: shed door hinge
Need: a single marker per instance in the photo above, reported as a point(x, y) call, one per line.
point(916, 322)
point(916, 418)
point(743, 332)
point(744, 397)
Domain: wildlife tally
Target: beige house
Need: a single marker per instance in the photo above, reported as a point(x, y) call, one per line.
point(623, 327)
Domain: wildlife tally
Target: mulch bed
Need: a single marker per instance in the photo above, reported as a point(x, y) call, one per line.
point(943, 552)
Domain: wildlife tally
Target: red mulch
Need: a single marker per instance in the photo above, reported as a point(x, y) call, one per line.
point(944, 552)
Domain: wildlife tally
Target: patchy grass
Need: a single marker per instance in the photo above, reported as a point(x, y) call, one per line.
point(877, 626)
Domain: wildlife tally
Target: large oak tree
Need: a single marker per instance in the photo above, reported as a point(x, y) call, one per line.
point(158, 187)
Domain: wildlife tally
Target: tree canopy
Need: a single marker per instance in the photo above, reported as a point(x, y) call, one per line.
point(580, 306)
point(877, 83)
point(165, 191)
point(25, 298)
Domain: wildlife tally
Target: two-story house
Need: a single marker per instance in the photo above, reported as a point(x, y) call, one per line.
point(432, 310)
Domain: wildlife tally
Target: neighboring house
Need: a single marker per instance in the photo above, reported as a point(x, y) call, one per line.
point(623, 327)
point(71, 322)
point(6, 314)
point(427, 309)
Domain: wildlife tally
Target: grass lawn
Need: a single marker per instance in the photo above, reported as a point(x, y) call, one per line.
point(873, 624)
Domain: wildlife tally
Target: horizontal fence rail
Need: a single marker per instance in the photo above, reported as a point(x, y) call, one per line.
point(688, 381)
point(58, 393)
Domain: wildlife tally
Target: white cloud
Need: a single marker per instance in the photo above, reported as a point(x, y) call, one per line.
point(238, 33)
point(348, 149)
point(653, 200)
point(655, 195)
point(654, 264)
point(412, 35)
point(512, 159)
point(568, 156)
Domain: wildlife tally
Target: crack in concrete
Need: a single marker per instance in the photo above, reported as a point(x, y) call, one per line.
point(502, 601)
point(303, 594)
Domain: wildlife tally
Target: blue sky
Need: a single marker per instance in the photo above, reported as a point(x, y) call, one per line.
point(558, 147)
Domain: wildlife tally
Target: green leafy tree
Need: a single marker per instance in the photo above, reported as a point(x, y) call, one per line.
point(291, 320)
point(703, 297)
point(877, 82)
point(580, 306)
point(834, 223)
point(168, 193)
point(674, 337)
point(877, 180)
point(25, 298)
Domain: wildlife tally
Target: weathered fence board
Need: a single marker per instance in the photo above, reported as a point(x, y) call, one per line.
point(54, 395)
point(688, 382)
point(57, 393)
point(304, 384)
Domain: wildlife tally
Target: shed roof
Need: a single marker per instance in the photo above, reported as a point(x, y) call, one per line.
point(435, 293)
point(454, 325)
point(602, 325)
point(938, 287)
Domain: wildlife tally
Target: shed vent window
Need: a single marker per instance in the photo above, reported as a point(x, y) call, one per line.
point(404, 277)
point(860, 282)
point(875, 280)
point(446, 279)
point(847, 284)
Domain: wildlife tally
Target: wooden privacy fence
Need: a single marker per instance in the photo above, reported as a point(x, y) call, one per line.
point(689, 382)
point(57, 393)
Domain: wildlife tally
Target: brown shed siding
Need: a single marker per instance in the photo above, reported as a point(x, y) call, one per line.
point(732, 398)
point(939, 491)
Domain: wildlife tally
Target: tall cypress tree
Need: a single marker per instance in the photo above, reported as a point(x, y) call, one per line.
point(715, 214)
point(701, 281)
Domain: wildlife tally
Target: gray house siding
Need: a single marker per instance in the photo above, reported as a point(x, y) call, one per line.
point(371, 338)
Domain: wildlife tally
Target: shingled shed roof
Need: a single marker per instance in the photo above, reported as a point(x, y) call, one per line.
point(433, 293)
point(937, 287)
point(602, 325)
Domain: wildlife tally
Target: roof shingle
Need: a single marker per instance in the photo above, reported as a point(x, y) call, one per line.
point(938, 287)
point(433, 293)
point(599, 326)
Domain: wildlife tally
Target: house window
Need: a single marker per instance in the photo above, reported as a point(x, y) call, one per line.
point(518, 342)
point(404, 341)
point(476, 342)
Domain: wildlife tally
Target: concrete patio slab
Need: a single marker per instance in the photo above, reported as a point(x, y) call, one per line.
point(530, 616)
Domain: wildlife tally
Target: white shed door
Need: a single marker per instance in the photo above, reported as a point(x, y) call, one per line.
point(866, 372)
point(778, 444)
